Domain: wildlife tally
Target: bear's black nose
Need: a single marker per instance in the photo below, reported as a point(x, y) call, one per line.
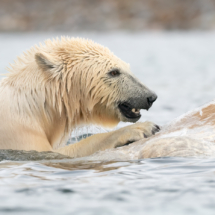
point(151, 99)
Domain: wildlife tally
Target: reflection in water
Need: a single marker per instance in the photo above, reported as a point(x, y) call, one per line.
point(53, 187)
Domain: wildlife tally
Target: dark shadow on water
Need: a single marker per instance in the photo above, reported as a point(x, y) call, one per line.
point(21, 155)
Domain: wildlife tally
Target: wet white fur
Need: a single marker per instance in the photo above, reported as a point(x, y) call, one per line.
point(56, 87)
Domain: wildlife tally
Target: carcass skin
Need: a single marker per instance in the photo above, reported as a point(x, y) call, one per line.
point(192, 134)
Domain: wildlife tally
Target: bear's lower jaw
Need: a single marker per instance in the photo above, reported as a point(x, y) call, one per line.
point(125, 119)
point(128, 113)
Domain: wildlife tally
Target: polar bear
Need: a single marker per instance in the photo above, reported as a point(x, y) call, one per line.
point(66, 83)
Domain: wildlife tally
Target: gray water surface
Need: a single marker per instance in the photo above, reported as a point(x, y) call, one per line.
point(152, 186)
point(180, 68)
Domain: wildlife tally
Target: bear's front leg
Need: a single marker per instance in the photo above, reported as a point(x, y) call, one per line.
point(110, 140)
point(135, 132)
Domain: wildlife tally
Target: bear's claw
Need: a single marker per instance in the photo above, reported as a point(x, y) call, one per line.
point(155, 129)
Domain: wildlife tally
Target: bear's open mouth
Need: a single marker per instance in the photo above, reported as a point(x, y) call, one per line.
point(128, 111)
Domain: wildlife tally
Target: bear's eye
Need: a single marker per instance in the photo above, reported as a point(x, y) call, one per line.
point(114, 73)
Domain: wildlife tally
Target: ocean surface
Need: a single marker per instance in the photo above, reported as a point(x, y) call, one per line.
point(180, 68)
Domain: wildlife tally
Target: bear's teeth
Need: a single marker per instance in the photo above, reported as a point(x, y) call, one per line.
point(134, 110)
point(137, 110)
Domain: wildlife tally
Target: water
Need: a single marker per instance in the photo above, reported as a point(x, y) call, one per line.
point(155, 186)
point(179, 67)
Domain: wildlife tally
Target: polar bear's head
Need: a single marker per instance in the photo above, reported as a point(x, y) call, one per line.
point(94, 85)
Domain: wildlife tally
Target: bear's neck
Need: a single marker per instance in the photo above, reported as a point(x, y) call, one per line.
point(43, 107)
point(48, 105)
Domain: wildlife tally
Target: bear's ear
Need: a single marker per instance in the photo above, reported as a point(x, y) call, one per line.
point(46, 65)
